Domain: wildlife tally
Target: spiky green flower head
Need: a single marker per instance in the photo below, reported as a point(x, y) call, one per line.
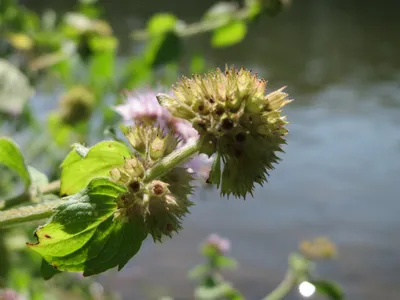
point(160, 204)
point(237, 120)
point(77, 104)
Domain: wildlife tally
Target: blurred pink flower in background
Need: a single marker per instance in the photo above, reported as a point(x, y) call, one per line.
point(221, 244)
point(142, 106)
point(9, 294)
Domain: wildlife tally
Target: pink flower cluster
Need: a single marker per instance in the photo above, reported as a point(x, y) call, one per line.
point(142, 107)
point(221, 244)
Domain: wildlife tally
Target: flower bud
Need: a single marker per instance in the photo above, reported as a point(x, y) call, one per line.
point(77, 104)
point(136, 137)
point(152, 142)
point(158, 188)
point(163, 210)
point(165, 202)
point(179, 111)
point(318, 248)
point(161, 146)
point(129, 174)
point(134, 167)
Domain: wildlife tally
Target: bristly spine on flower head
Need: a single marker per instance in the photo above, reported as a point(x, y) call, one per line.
point(236, 120)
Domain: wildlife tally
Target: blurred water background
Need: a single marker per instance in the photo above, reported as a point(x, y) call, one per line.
point(340, 175)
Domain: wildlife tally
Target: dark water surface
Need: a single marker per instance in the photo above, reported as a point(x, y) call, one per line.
point(340, 176)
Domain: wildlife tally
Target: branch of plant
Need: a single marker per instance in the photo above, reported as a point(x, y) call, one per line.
point(29, 213)
point(45, 210)
point(25, 197)
point(299, 267)
point(202, 26)
point(284, 288)
point(172, 160)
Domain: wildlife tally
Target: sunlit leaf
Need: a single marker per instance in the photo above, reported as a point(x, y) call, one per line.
point(20, 41)
point(11, 156)
point(229, 34)
point(328, 289)
point(161, 23)
point(84, 234)
point(254, 7)
point(77, 171)
point(15, 89)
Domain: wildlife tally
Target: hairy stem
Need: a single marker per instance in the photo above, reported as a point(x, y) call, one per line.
point(28, 213)
point(284, 288)
point(52, 187)
point(172, 160)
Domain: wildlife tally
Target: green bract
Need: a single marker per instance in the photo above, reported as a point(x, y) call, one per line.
point(85, 233)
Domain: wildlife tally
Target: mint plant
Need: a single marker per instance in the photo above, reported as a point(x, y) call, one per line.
point(117, 194)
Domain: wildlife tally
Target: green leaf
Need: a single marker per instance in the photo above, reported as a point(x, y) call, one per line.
point(197, 64)
point(15, 89)
point(328, 289)
point(229, 34)
point(103, 43)
point(215, 173)
point(11, 156)
point(47, 270)
point(164, 49)
point(59, 131)
point(224, 262)
point(84, 235)
point(161, 23)
point(77, 171)
point(101, 71)
point(254, 7)
point(38, 178)
point(198, 271)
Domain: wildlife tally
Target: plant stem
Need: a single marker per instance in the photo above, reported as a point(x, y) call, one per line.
point(172, 160)
point(202, 26)
point(284, 288)
point(52, 187)
point(28, 213)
